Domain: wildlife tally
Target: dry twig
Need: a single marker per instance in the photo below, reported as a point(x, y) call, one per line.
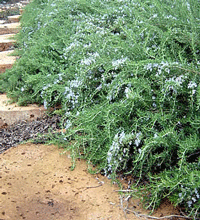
point(89, 187)
point(127, 190)
point(126, 209)
point(153, 217)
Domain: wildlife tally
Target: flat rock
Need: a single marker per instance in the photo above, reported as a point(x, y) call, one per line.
point(12, 113)
point(6, 42)
point(25, 2)
point(2, 21)
point(6, 61)
point(10, 28)
point(14, 18)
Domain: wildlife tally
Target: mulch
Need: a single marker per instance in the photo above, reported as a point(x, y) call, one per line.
point(24, 130)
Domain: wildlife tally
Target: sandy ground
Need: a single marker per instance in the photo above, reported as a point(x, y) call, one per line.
point(36, 182)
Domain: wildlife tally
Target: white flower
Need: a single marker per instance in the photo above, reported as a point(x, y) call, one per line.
point(192, 85)
point(121, 137)
point(88, 61)
point(180, 79)
point(193, 91)
point(155, 16)
point(189, 203)
point(68, 124)
point(75, 83)
point(91, 59)
point(87, 45)
point(71, 46)
point(167, 70)
point(45, 104)
point(55, 82)
point(197, 194)
point(95, 54)
point(117, 63)
point(60, 77)
point(99, 87)
point(138, 140)
point(188, 5)
point(127, 92)
point(148, 66)
point(193, 199)
point(170, 16)
point(155, 136)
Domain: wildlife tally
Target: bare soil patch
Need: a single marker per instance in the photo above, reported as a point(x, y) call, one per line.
point(37, 183)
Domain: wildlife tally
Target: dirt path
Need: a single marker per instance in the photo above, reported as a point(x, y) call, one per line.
point(37, 183)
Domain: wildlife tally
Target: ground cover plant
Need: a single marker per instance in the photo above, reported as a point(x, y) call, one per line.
point(126, 75)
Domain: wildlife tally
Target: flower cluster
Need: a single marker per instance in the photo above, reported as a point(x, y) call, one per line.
point(71, 92)
point(120, 148)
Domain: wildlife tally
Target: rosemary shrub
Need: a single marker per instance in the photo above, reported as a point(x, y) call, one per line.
point(126, 74)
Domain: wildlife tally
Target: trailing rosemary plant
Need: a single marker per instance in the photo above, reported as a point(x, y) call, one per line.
point(126, 74)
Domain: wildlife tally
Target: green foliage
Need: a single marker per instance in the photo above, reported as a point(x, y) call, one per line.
point(126, 74)
point(180, 185)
